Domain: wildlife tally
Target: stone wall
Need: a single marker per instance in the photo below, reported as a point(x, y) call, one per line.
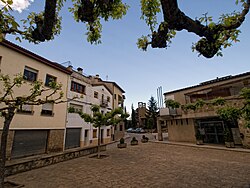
point(22, 165)
point(55, 141)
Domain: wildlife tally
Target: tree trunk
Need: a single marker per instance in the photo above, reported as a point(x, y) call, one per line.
point(7, 120)
point(99, 143)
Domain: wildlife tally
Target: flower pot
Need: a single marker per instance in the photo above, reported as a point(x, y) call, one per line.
point(134, 142)
point(199, 142)
point(124, 145)
point(144, 140)
point(229, 144)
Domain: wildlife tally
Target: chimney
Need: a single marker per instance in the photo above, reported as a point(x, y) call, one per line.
point(97, 75)
point(79, 69)
point(70, 67)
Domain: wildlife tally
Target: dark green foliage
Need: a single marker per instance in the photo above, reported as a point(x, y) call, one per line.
point(122, 141)
point(228, 137)
point(198, 135)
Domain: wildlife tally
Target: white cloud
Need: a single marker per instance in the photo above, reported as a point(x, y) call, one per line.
point(19, 5)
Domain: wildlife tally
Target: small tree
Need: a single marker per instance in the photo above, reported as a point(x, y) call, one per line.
point(99, 119)
point(133, 118)
point(152, 111)
point(10, 102)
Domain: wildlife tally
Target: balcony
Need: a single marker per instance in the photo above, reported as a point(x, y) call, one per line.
point(104, 103)
point(168, 112)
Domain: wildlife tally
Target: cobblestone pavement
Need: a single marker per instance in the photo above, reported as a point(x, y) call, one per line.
point(145, 165)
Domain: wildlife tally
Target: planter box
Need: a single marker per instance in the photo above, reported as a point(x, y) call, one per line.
point(122, 145)
point(229, 144)
point(144, 140)
point(133, 143)
point(199, 142)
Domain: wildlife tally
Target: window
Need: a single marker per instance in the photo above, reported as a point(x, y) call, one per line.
point(121, 127)
point(79, 88)
point(176, 122)
point(49, 79)
point(30, 74)
point(171, 122)
point(96, 95)
point(108, 99)
point(74, 108)
point(25, 109)
point(47, 109)
point(94, 133)
point(114, 96)
point(186, 121)
point(181, 122)
point(108, 132)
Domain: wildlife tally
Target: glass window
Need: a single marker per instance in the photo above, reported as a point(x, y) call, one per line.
point(108, 99)
point(75, 108)
point(49, 79)
point(30, 74)
point(26, 109)
point(47, 109)
point(79, 88)
point(96, 95)
point(108, 132)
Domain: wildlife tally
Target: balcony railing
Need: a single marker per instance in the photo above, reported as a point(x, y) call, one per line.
point(168, 112)
point(104, 103)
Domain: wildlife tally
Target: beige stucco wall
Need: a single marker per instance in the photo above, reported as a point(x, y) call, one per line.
point(13, 63)
point(181, 133)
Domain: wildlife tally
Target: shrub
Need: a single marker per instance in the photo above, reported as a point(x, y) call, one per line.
point(122, 141)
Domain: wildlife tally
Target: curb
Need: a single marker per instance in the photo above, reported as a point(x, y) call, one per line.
point(203, 146)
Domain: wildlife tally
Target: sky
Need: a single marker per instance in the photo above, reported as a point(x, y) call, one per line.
point(140, 73)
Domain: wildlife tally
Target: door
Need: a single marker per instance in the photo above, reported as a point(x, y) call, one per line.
point(29, 142)
point(72, 138)
point(213, 131)
point(86, 137)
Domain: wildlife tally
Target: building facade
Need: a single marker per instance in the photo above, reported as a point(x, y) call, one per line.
point(118, 97)
point(85, 94)
point(183, 124)
point(34, 129)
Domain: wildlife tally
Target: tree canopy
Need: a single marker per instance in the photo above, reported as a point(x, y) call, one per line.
point(44, 26)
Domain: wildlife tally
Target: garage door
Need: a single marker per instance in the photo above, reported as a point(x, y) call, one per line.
point(29, 142)
point(72, 138)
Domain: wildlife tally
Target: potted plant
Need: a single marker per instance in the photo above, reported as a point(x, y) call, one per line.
point(134, 141)
point(122, 143)
point(228, 138)
point(144, 139)
point(199, 137)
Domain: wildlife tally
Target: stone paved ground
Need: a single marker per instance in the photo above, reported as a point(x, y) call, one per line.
point(146, 165)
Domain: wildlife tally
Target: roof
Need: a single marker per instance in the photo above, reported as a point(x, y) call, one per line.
point(217, 80)
point(32, 55)
point(115, 85)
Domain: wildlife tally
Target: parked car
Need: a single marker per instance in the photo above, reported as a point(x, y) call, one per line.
point(140, 130)
point(130, 130)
